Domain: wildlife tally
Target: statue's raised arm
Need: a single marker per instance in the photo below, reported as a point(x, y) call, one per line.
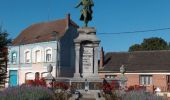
point(86, 11)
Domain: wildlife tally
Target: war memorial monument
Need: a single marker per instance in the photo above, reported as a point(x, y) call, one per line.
point(85, 76)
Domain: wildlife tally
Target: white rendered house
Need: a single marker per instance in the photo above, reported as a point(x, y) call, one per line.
point(40, 45)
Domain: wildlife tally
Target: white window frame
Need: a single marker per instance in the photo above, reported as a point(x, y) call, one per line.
point(110, 76)
point(46, 54)
point(29, 76)
point(13, 61)
point(38, 57)
point(25, 56)
point(41, 57)
point(145, 79)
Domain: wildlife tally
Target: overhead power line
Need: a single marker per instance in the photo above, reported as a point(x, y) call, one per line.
point(141, 31)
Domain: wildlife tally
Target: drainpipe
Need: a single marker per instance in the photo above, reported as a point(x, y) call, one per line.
point(58, 58)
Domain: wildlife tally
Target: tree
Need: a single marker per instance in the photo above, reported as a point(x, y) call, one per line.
point(4, 41)
point(135, 47)
point(148, 44)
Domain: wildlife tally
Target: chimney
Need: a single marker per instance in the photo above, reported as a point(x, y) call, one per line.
point(68, 19)
point(101, 57)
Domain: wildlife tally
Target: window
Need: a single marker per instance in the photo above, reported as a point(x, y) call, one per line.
point(145, 79)
point(27, 57)
point(29, 76)
point(110, 76)
point(38, 56)
point(37, 76)
point(48, 55)
point(14, 57)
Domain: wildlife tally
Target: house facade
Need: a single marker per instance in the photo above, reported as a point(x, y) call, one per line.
point(40, 45)
point(150, 69)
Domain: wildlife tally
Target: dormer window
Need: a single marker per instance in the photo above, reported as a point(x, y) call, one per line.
point(14, 58)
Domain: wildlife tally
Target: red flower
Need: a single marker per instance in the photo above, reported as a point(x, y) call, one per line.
point(36, 82)
point(60, 85)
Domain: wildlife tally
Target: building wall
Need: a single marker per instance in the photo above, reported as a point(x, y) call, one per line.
point(41, 46)
point(158, 79)
point(22, 67)
point(67, 52)
point(133, 80)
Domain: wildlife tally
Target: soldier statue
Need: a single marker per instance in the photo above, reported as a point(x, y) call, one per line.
point(86, 12)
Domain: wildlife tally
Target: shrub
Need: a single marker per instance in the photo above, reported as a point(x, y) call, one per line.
point(136, 88)
point(60, 89)
point(36, 82)
point(62, 96)
point(109, 90)
point(26, 92)
point(109, 87)
point(141, 95)
point(60, 85)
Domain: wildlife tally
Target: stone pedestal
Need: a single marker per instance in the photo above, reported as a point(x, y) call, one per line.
point(86, 46)
point(49, 78)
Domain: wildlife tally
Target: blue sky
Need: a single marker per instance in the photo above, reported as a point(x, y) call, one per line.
point(110, 16)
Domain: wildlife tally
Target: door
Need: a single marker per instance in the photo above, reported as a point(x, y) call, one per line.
point(13, 77)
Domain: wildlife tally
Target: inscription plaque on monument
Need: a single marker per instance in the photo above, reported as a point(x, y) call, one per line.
point(87, 61)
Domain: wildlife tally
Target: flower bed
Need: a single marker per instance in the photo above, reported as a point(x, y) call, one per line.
point(141, 95)
point(25, 92)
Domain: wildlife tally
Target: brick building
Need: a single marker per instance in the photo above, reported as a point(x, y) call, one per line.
point(145, 68)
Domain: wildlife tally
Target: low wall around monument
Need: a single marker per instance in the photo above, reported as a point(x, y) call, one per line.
point(79, 84)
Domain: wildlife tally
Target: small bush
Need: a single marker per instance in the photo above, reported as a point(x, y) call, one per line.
point(135, 88)
point(141, 95)
point(26, 92)
point(60, 85)
point(36, 82)
point(62, 95)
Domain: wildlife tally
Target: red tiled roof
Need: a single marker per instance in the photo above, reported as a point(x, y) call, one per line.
point(42, 32)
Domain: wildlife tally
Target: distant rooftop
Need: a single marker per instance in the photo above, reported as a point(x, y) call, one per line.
point(139, 61)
